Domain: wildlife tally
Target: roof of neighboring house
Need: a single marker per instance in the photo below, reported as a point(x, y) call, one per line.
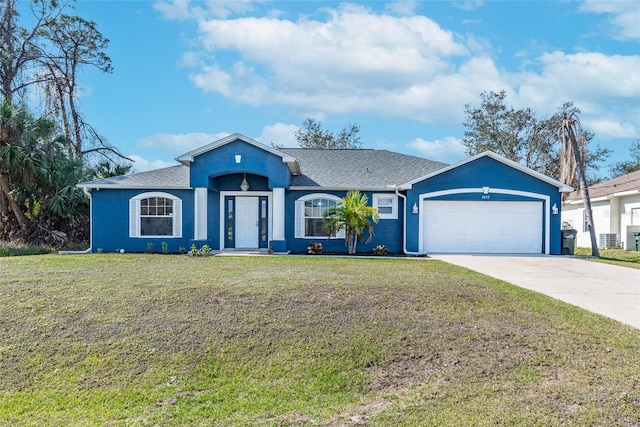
point(360, 168)
point(620, 186)
point(173, 177)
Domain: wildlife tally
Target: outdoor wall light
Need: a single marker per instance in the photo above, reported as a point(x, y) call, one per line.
point(238, 158)
point(415, 209)
point(244, 186)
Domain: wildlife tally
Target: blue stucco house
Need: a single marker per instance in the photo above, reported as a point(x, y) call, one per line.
point(239, 194)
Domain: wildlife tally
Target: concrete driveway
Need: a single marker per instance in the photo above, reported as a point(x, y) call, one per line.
point(601, 288)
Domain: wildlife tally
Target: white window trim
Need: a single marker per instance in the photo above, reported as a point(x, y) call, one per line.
point(134, 215)
point(394, 205)
point(299, 216)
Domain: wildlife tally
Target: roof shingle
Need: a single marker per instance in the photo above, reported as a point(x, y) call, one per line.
point(629, 182)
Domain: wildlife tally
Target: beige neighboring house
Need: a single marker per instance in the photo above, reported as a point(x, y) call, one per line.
point(616, 212)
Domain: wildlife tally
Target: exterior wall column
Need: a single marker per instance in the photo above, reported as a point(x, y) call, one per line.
point(278, 214)
point(200, 212)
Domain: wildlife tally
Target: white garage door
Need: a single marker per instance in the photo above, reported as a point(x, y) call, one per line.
point(482, 227)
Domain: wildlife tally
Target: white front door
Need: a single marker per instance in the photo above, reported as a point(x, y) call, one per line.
point(247, 222)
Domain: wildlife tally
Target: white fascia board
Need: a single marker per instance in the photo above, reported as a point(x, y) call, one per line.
point(324, 189)
point(188, 157)
point(594, 199)
point(563, 188)
point(90, 186)
point(626, 193)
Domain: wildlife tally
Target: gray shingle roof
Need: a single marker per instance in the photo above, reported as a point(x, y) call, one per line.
point(621, 184)
point(173, 177)
point(357, 169)
point(332, 169)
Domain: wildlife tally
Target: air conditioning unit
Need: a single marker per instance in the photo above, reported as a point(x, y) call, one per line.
point(608, 241)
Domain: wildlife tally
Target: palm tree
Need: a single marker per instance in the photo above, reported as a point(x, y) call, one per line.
point(351, 214)
point(572, 164)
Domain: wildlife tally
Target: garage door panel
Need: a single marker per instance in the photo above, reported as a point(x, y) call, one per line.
point(482, 227)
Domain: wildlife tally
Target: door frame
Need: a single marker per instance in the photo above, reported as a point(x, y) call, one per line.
point(259, 195)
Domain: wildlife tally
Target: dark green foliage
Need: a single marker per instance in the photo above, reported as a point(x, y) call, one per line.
point(522, 136)
point(311, 135)
point(631, 165)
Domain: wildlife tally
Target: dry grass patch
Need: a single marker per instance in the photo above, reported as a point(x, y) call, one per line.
point(175, 340)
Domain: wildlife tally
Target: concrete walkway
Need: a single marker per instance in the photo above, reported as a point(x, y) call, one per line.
point(601, 288)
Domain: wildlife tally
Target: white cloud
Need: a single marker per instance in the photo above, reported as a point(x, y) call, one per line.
point(402, 7)
point(185, 9)
point(354, 61)
point(606, 89)
point(141, 164)
point(624, 16)
point(468, 5)
point(179, 143)
point(279, 134)
point(358, 61)
point(611, 127)
point(448, 149)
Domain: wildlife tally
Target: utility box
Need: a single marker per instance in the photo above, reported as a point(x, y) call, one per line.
point(569, 241)
point(637, 236)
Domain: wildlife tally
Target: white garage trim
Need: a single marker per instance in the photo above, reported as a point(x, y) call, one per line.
point(545, 198)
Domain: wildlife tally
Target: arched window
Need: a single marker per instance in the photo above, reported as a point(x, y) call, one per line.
point(155, 215)
point(309, 215)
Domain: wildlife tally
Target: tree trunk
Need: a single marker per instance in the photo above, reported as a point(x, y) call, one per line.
point(584, 190)
point(17, 212)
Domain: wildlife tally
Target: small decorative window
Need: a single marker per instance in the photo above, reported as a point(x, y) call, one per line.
point(387, 205)
point(155, 215)
point(309, 216)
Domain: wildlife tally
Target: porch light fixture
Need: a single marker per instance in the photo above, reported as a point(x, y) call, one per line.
point(415, 209)
point(238, 158)
point(244, 186)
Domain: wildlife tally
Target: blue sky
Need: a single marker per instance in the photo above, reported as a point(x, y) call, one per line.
point(189, 72)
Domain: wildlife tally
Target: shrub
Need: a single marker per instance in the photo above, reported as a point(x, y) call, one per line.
point(205, 250)
point(149, 249)
point(12, 249)
point(380, 250)
point(314, 248)
point(165, 248)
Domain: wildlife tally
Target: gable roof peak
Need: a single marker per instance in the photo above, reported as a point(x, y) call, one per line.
point(563, 188)
point(188, 157)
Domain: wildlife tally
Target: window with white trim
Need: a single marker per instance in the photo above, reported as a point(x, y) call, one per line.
point(387, 205)
point(155, 214)
point(309, 216)
point(585, 223)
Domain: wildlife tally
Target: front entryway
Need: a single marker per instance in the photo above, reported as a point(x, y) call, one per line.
point(247, 224)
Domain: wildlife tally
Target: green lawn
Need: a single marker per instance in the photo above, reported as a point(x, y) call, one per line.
point(620, 257)
point(136, 340)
